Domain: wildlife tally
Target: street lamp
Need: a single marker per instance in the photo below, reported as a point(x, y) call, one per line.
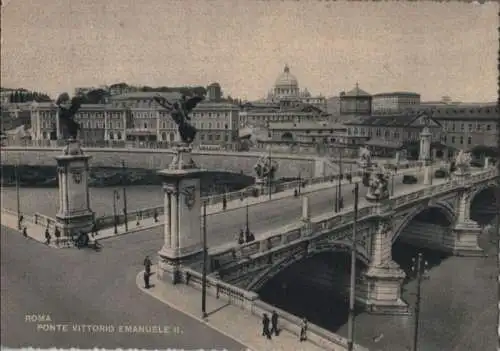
point(116, 196)
point(18, 197)
point(419, 267)
point(392, 182)
point(204, 271)
point(339, 192)
point(352, 285)
point(124, 196)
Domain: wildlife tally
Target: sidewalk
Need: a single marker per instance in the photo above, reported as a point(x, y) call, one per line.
point(227, 319)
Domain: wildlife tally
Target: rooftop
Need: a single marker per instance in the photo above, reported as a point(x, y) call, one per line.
point(396, 93)
point(356, 92)
point(305, 125)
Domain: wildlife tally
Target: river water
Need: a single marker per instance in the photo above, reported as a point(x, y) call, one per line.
point(45, 200)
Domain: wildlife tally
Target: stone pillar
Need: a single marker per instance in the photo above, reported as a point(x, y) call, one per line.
point(384, 277)
point(183, 241)
point(74, 215)
point(427, 175)
point(167, 205)
point(462, 239)
point(425, 145)
point(486, 162)
point(306, 213)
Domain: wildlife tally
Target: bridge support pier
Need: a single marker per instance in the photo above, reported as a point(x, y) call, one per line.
point(463, 239)
point(182, 232)
point(384, 289)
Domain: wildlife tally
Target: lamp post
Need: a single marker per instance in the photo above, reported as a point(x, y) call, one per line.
point(124, 196)
point(418, 268)
point(269, 173)
point(300, 181)
point(392, 183)
point(339, 192)
point(116, 196)
point(18, 197)
point(204, 271)
point(352, 285)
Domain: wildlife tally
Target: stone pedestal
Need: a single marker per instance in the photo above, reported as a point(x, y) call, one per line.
point(306, 213)
point(182, 229)
point(425, 145)
point(384, 283)
point(428, 175)
point(74, 215)
point(463, 239)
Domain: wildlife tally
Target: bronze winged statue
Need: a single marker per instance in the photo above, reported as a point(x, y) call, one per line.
point(180, 114)
point(67, 111)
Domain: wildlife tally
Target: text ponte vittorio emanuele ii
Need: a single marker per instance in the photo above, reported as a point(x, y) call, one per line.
point(46, 324)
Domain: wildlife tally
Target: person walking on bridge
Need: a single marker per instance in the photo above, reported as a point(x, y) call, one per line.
point(303, 330)
point(274, 323)
point(265, 326)
point(147, 265)
point(47, 237)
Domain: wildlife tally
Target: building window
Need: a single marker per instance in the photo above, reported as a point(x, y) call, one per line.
point(453, 140)
point(163, 125)
point(119, 136)
point(488, 127)
point(225, 126)
point(461, 140)
point(111, 135)
point(209, 127)
point(470, 127)
point(444, 138)
point(469, 140)
point(209, 137)
point(462, 127)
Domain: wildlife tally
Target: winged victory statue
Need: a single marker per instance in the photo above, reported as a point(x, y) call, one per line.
point(67, 111)
point(180, 114)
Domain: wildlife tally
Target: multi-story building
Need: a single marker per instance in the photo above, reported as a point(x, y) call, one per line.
point(308, 132)
point(44, 121)
point(387, 134)
point(394, 103)
point(217, 123)
point(466, 125)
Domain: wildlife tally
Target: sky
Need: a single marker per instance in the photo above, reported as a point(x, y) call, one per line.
point(432, 48)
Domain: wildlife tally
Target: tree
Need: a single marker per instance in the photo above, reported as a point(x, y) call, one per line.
point(97, 96)
point(11, 97)
point(481, 151)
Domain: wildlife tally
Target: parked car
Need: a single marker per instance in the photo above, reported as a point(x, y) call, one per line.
point(440, 173)
point(409, 179)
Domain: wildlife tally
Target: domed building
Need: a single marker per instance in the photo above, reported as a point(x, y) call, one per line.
point(355, 102)
point(286, 89)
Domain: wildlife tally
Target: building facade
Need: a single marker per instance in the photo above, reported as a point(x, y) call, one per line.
point(217, 123)
point(467, 125)
point(393, 103)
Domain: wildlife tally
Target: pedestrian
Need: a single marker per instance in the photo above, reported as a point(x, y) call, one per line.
point(146, 280)
point(20, 222)
point(57, 234)
point(147, 264)
point(274, 323)
point(250, 237)
point(47, 236)
point(155, 215)
point(224, 203)
point(137, 218)
point(303, 330)
point(265, 326)
point(25, 232)
point(241, 237)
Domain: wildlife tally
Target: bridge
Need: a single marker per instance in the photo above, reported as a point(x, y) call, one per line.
point(446, 215)
point(290, 165)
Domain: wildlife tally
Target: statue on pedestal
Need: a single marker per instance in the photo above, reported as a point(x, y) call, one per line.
point(378, 187)
point(365, 157)
point(179, 111)
point(462, 163)
point(265, 168)
point(68, 126)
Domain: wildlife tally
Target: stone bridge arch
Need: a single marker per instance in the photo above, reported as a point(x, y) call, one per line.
point(295, 258)
point(483, 202)
point(444, 209)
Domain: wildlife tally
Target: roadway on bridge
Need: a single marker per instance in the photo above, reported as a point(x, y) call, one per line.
point(86, 287)
point(223, 227)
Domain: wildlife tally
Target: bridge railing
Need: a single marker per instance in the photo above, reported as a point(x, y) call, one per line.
point(249, 301)
point(227, 256)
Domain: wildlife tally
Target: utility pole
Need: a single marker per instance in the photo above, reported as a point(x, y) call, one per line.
point(116, 196)
point(352, 285)
point(204, 272)
point(419, 269)
point(18, 197)
point(247, 221)
point(269, 173)
point(124, 196)
point(339, 192)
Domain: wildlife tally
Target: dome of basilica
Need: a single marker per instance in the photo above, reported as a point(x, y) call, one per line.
point(286, 79)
